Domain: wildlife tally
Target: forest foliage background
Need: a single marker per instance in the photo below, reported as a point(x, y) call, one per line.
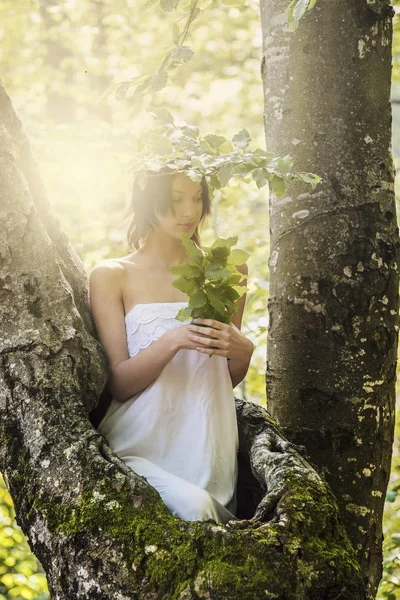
point(58, 60)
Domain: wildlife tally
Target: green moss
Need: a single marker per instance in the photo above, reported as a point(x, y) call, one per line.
point(134, 529)
point(173, 565)
point(175, 556)
point(108, 509)
point(324, 540)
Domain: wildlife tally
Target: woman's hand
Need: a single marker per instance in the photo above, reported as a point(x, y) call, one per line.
point(220, 339)
point(178, 337)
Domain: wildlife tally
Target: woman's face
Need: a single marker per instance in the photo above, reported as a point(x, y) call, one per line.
point(186, 207)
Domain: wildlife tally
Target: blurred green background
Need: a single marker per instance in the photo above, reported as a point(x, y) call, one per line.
point(57, 59)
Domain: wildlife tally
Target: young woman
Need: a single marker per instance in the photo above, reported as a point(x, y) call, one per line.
point(172, 418)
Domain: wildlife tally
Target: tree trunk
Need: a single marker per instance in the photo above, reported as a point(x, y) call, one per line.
point(333, 303)
point(99, 530)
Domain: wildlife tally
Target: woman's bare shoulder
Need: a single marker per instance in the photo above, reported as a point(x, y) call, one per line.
point(114, 267)
point(108, 264)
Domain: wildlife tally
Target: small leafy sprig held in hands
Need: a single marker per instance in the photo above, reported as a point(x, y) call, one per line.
point(210, 280)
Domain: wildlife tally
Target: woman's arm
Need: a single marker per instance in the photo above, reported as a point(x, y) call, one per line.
point(128, 375)
point(134, 374)
point(239, 366)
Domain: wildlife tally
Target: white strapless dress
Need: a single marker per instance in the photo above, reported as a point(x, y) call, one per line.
point(180, 432)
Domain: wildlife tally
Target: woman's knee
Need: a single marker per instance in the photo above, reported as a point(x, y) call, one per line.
point(199, 505)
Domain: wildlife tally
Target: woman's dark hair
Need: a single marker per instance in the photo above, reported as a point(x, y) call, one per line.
point(155, 198)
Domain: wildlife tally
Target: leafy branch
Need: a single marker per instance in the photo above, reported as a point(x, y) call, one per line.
point(180, 148)
point(210, 279)
point(179, 53)
point(176, 55)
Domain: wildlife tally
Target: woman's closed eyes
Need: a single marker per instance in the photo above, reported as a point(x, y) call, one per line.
point(179, 199)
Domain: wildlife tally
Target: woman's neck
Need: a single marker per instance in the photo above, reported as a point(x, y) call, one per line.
point(163, 253)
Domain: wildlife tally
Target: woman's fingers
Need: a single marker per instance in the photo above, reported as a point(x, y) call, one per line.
point(212, 351)
point(209, 342)
point(213, 340)
point(209, 332)
point(204, 331)
point(210, 323)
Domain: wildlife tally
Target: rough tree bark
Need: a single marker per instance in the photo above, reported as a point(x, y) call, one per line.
point(99, 530)
point(333, 303)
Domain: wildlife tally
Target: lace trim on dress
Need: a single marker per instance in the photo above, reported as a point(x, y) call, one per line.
point(146, 323)
point(149, 312)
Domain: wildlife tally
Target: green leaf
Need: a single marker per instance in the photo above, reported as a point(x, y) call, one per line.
point(186, 270)
point(194, 175)
point(395, 539)
point(234, 279)
point(231, 294)
point(296, 10)
point(214, 182)
point(215, 300)
point(241, 139)
point(198, 300)
point(168, 5)
point(243, 169)
point(205, 312)
point(219, 273)
point(230, 306)
point(309, 178)
point(233, 2)
point(122, 90)
point(162, 114)
point(278, 185)
point(200, 160)
point(180, 164)
point(220, 253)
point(191, 131)
point(300, 8)
point(144, 86)
point(225, 173)
point(285, 163)
point(184, 314)
point(182, 54)
point(259, 176)
point(241, 289)
point(225, 242)
point(159, 81)
point(215, 141)
point(226, 147)
point(155, 164)
point(188, 286)
point(175, 135)
point(193, 252)
point(238, 257)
